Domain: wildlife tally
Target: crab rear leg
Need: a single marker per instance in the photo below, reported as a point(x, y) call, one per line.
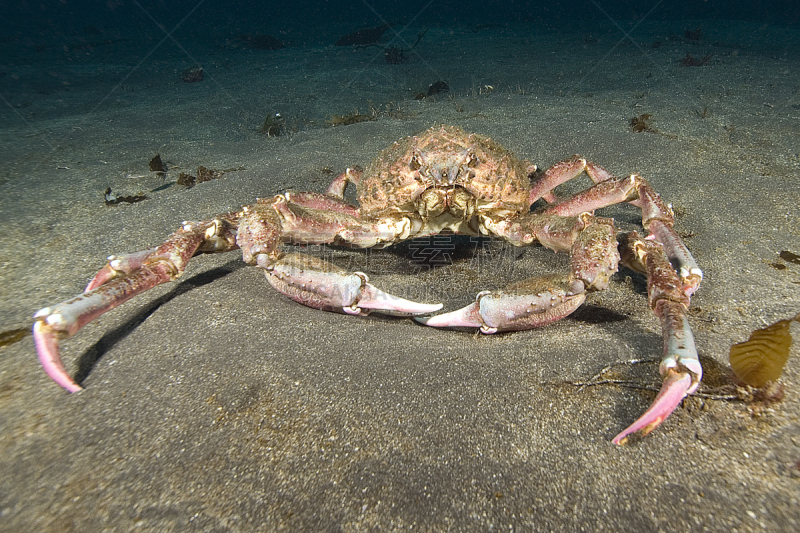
point(119, 281)
point(669, 299)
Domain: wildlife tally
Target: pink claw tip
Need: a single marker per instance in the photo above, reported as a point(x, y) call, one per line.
point(47, 351)
point(674, 389)
point(464, 317)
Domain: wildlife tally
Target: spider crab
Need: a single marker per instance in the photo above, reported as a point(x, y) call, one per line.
point(441, 180)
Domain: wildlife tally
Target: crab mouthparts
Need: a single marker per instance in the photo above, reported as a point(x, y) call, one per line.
point(444, 175)
point(456, 200)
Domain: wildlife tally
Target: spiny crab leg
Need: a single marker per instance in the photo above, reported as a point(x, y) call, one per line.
point(118, 266)
point(680, 369)
point(118, 282)
point(66, 318)
point(669, 298)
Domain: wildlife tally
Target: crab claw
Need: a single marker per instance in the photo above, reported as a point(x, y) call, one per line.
point(316, 283)
point(675, 388)
point(530, 304)
point(373, 298)
point(466, 317)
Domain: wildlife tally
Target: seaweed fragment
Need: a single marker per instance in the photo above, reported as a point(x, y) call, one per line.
point(691, 61)
point(352, 118)
point(641, 124)
point(157, 166)
point(203, 174)
point(789, 257)
point(192, 74)
point(208, 174)
point(761, 358)
point(187, 180)
point(113, 199)
point(363, 36)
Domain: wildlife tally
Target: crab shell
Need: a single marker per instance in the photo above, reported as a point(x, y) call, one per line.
point(445, 170)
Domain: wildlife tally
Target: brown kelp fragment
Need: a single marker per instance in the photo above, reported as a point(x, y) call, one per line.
point(352, 118)
point(691, 61)
point(157, 166)
point(192, 74)
point(761, 358)
point(187, 180)
point(203, 174)
point(642, 123)
point(208, 174)
point(15, 335)
point(363, 36)
point(113, 199)
point(789, 257)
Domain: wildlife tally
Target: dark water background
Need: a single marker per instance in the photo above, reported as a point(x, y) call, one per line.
point(313, 22)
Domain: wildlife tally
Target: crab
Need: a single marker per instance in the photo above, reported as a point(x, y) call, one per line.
point(443, 180)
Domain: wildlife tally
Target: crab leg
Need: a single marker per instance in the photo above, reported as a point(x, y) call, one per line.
point(117, 283)
point(258, 231)
point(669, 298)
point(562, 172)
point(539, 301)
point(656, 217)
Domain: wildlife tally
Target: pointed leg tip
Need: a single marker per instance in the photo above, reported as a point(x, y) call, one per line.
point(675, 388)
point(641, 427)
point(72, 387)
point(46, 343)
point(465, 317)
point(375, 299)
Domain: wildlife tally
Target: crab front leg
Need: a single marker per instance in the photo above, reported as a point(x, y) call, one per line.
point(312, 218)
point(120, 280)
point(539, 301)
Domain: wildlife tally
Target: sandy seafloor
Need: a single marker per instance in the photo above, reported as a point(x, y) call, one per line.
point(217, 404)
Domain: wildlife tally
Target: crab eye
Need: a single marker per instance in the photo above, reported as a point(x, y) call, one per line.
point(415, 164)
point(473, 161)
